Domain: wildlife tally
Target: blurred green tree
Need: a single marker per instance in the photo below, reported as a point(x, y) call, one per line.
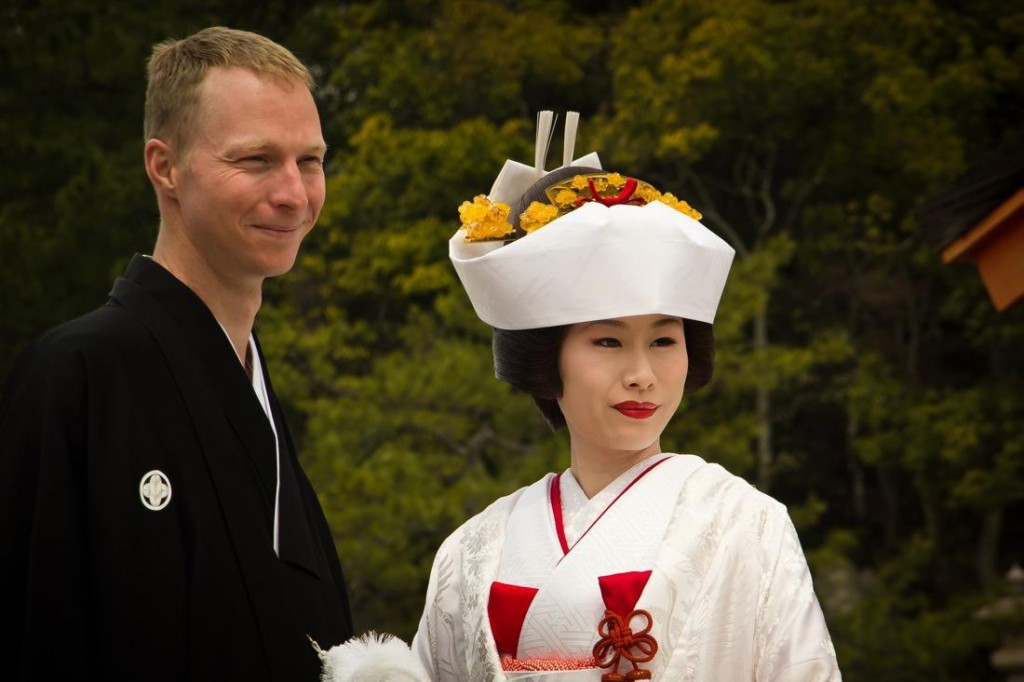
point(858, 380)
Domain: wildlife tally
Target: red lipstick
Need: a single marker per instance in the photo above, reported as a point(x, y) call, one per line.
point(635, 410)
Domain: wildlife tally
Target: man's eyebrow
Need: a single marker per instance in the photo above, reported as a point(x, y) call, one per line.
point(244, 146)
point(318, 148)
point(260, 145)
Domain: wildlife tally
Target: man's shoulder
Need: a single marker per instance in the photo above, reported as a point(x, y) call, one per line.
point(105, 334)
point(107, 329)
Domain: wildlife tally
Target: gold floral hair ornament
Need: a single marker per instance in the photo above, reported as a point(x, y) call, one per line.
point(600, 259)
point(485, 220)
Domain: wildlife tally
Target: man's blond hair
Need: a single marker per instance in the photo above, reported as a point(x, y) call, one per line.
point(176, 70)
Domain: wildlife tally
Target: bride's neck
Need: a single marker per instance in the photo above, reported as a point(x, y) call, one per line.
point(595, 467)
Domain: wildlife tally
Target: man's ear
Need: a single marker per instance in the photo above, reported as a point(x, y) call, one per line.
point(160, 166)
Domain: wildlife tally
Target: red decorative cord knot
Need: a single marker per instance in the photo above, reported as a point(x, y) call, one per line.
point(625, 196)
point(618, 641)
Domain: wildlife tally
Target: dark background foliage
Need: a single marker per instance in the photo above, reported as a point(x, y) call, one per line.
point(867, 386)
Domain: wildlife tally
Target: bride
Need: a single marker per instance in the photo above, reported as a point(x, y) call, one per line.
point(632, 563)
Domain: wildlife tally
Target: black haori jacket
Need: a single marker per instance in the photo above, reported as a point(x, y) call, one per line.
point(137, 478)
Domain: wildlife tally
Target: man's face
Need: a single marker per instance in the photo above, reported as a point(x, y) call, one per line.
point(251, 180)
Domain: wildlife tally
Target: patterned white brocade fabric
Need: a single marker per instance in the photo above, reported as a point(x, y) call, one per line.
point(579, 511)
point(730, 593)
point(562, 619)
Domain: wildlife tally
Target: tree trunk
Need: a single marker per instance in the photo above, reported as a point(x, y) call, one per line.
point(890, 502)
point(933, 526)
point(988, 547)
point(765, 452)
point(857, 484)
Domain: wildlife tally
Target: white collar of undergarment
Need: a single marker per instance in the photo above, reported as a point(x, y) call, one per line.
point(259, 387)
point(580, 512)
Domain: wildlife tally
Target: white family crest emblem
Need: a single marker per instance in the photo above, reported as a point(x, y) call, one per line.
point(155, 490)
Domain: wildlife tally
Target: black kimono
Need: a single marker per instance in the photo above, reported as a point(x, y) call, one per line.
point(103, 577)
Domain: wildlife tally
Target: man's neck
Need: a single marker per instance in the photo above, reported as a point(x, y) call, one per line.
point(236, 315)
point(233, 304)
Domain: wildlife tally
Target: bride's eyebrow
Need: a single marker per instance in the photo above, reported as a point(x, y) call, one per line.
point(618, 324)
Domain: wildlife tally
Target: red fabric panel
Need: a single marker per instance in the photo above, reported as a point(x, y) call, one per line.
point(556, 510)
point(506, 608)
point(622, 590)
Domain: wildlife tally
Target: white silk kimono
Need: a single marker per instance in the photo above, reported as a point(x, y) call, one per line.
point(716, 564)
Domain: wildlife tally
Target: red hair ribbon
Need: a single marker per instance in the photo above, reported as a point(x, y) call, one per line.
point(625, 196)
point(618, 641)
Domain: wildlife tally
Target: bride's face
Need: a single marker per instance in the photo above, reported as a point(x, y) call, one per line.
point(622, 380)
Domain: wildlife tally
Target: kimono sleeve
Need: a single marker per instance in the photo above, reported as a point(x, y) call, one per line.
point(435, 641)
point(454, 642)
point(791, 636)
point(43, 591)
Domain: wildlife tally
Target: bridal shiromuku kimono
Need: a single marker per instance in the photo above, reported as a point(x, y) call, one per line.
point(677, 568)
